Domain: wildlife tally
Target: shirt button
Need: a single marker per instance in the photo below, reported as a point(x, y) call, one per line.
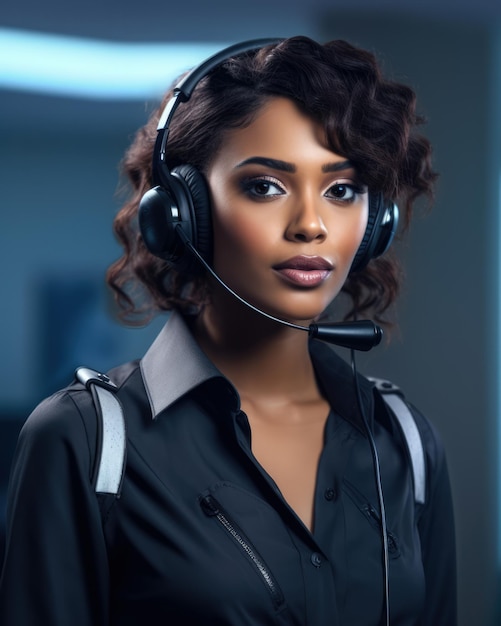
point(316, 559)
point(330, 494)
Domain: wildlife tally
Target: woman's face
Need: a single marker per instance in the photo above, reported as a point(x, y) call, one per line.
point(288, 214)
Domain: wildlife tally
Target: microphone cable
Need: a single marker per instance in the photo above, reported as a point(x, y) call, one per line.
point(379, 488)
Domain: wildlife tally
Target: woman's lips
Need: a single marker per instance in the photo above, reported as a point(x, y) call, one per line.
point(304, 271)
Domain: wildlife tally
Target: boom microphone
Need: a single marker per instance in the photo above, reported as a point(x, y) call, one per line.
point(358, 335)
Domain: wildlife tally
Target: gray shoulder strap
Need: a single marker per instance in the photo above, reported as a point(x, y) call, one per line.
point(395, 400)
point(111, 449)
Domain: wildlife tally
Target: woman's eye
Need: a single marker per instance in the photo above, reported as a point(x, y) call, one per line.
point(262, 188)
point(344, 192)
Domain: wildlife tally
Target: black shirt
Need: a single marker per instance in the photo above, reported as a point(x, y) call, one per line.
point(201, 534)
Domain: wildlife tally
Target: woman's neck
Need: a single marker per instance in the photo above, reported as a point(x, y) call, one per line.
point(259, 356)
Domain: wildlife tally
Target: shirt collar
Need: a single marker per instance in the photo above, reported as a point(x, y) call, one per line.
point(174, 365)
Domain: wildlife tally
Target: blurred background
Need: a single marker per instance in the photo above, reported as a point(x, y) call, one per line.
point(76, 82)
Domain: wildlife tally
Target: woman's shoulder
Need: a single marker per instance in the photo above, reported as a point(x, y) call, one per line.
point(430, 435)
point(70, 414)
point(408, 414)
point(419, 435)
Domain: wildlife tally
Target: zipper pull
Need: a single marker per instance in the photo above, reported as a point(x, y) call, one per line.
point(209, 506)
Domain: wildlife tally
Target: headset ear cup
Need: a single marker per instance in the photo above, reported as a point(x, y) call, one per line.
point(181, 202)
point(197, 189)
point(157, 224)
point(387, 230)
point(381, 227)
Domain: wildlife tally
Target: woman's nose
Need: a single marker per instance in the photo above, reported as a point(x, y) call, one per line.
point(306, 223)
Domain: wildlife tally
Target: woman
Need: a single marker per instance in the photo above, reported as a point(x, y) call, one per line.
point(250, 494)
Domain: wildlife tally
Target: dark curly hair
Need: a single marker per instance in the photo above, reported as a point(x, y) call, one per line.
point(369, 120)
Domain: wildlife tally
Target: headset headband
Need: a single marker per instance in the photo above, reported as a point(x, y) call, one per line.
point(184, 88)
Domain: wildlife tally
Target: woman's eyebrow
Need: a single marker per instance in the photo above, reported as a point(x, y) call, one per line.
point(285, 166)
point(275, 164)
point(337, 166)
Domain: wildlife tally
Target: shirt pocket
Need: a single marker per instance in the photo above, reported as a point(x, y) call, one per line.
point(372, 515)
point(213, 509)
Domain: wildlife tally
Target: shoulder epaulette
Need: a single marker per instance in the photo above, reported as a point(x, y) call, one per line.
point(395, 400)
point(111, 445)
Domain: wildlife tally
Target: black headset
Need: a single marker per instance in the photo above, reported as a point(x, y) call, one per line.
point(180, 197)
